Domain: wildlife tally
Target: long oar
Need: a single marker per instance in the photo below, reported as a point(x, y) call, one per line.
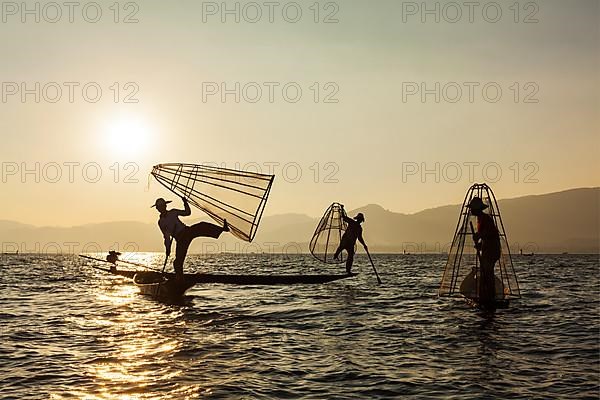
point(373, 265)
point(138, 265)
point(475, 241)
point(165, 264)
point(105, 261)
point(478, 256)
point(93, 258)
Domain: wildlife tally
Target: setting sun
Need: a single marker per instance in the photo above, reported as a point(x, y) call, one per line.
point(129, 135)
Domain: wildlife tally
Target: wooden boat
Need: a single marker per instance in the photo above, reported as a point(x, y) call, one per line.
point(165, 286)
point(468, 288)
point(499, 304)
point(159, 286)
point(240, 279)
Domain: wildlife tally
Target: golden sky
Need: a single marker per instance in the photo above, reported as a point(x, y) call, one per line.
point(366, 128)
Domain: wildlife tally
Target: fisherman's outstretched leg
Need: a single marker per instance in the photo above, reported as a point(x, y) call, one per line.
point(184, 239)
point(205, 229)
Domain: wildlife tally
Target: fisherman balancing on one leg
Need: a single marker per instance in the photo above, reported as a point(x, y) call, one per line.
point(348, 242)
point(173, 228)
point(487, 240)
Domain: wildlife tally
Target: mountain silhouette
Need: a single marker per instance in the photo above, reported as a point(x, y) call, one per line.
point(566, 221)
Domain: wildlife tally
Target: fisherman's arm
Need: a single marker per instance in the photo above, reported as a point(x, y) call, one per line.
point(187, 210)
point(477, 238)
point(347, 219)
point(168, 242)
point(362, 241)
point(344, 216)
point(483, 236)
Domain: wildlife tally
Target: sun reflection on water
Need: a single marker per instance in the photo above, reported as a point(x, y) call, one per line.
point(120, 295)
point(141, 339)
point(139, 361)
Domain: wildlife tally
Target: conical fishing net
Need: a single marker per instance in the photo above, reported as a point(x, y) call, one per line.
point(238, 196)
point(462, 266)
point(328, 235)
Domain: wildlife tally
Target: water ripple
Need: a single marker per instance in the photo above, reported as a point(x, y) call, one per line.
point(71, 332)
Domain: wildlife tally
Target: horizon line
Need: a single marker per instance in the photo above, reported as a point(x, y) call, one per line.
point(292, 213)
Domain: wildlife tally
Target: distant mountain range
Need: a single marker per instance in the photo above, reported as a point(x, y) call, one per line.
point(566, 221)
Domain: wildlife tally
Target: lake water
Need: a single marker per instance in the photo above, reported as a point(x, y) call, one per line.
point(68, 331)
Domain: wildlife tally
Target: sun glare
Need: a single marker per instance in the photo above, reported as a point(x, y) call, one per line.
point(129, 135)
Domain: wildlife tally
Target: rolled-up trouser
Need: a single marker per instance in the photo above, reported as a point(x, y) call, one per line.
point(185, 237)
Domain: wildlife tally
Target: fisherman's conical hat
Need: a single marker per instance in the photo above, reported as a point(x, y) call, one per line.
point(477, 204)
point(160, 201)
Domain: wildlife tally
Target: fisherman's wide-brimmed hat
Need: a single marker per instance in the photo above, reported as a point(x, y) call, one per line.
point(114, 253)
point(477, 204)
point(360, 217)
point(160, 202)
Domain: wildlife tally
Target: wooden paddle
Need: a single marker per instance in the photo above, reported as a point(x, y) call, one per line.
point(106, 261)
point(475, 241)
point(373, 265)
point(165, 264)
point(478, 257)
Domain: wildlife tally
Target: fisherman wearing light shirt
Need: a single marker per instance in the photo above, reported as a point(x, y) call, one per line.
point(173, 228)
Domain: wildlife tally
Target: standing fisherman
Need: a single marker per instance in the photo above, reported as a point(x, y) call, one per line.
point(173, 228)
point(487, 240)
point(348, 242)
point(113, 256)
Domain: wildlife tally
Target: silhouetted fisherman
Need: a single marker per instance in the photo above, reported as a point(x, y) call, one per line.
point(348, 242)
point(113, 256)
point(173, 228)
point(487, 240)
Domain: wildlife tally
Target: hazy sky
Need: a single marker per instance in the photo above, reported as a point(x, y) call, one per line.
point(542, 133)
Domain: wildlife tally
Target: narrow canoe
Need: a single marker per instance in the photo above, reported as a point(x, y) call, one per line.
point(161, 285)
point(247, 279)
point(157, 285)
